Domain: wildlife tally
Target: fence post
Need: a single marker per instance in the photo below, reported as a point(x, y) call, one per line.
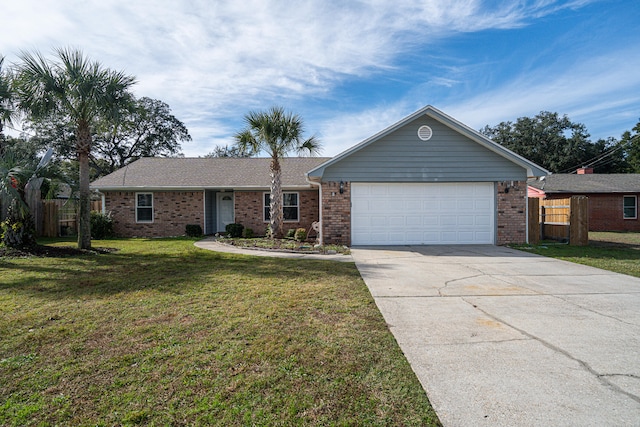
point(579, 221)
point(533, 220)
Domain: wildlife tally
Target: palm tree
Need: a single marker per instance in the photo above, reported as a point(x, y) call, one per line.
point(19, 175)
point(80, 91)
point(277, 133)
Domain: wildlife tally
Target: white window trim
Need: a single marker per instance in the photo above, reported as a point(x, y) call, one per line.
point(264, 219)
point(635, 207)
point(152, 208)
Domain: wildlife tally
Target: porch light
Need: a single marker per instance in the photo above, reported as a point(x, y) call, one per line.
point(341, 187)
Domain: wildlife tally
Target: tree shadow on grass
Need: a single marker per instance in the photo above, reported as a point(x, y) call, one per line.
point(106, 274)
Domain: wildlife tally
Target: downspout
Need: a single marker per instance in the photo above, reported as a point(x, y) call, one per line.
point(204, 208)
point(320, 238)
point(103, 200)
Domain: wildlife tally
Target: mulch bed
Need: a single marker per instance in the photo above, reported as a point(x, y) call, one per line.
point(51, 251)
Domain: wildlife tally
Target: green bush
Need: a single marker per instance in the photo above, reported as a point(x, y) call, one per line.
point(234, 230)
point(247, 233)
point(291, 233)
point(101, 225)
point(193, 230)
point(300, 235)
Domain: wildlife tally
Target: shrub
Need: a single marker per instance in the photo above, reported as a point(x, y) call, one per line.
point(193, 230)
point(291, 233)
point(301, 235)
point(247, 233)
point(234, 230)
point(101, 225)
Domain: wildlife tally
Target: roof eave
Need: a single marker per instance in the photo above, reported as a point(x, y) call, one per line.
point(198, 188)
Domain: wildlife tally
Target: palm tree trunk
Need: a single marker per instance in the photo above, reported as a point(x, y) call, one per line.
point(84, 146)
point(276, 200)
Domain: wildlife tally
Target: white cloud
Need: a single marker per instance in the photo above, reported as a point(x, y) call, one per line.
point(212, 60)
point(587, 91)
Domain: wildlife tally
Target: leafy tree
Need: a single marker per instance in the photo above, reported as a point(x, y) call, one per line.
point(226, 151)
point(631, 142)
point(609, 157)
point(554, 142)
point(146, 129)
point(80, 91)
point(277, 133)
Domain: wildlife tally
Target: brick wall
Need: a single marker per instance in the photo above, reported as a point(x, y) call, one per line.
point(511, 217)
point(336, 213)
point(605, 212)
point(172, 211)
point(249, 210)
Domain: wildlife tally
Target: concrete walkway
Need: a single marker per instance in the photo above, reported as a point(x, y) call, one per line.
point(211, 244)
point(499, 337)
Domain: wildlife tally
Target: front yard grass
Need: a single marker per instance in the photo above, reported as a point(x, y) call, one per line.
point(162, 333)
point(618, 252)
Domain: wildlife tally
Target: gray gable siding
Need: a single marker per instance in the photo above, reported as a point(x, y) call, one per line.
point(402, 157)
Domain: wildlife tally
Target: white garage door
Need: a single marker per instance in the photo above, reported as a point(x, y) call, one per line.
point(422, 213)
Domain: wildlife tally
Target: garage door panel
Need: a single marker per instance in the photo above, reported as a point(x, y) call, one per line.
point(422, 213)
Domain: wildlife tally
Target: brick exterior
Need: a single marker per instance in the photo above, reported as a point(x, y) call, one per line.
point(605, 211)
point(172, 211)
point(511, 218)
point(249, 210)
point(336, 213)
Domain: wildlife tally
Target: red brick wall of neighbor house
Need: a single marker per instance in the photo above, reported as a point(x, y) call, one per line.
point(172, 211)
point(336, 213)
point(605, 212)
point(249, 210)
point(512, 213)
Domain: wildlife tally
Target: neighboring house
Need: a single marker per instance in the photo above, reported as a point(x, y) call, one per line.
point(428, 179)
point(613, 198)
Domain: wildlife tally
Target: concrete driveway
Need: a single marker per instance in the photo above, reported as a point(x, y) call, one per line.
point(500, 337)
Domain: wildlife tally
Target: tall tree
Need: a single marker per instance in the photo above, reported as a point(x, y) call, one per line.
point(277, 133)
point(146, 129)
point(548, 139)
point(81, 91)
point(226, 151)
point(631, 142)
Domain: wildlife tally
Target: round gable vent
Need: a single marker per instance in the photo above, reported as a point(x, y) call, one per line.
point(425, 133)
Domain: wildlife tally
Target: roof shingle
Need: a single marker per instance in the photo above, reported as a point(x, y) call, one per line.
point(201, 173)
point(589, 183)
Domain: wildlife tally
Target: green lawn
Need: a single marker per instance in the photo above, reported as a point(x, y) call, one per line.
point(619, 252)
point(163, 333)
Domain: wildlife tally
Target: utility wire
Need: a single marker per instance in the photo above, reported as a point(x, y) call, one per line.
point(595, 160)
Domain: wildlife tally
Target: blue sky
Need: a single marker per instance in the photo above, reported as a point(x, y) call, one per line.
point(351, 69)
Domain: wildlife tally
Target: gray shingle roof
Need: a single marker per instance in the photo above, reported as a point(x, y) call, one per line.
point(589, 183)
point(201, 173)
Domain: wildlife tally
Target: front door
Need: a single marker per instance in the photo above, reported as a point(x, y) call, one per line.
point(224, 210)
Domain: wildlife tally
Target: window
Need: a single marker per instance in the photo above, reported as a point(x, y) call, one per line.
point(629, 207)
point(290, 207)
point(144, 207)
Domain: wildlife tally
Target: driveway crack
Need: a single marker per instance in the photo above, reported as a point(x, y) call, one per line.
point(448, 282)
point(592, 310)
point(602, 378)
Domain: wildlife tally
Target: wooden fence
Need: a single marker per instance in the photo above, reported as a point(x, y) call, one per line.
point(59, 217)
point(564, 220)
